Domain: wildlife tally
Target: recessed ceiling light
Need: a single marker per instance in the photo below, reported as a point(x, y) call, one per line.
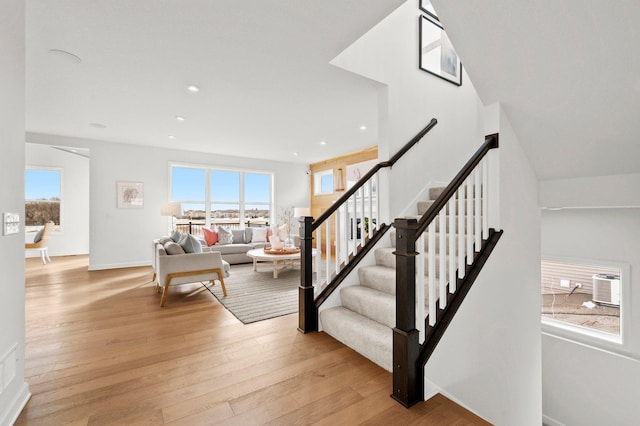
point(295, 154)
point(66, 56)
point(179, 118)
point(98, 125)
point(323, 142)
point(193, 88)
point(172, 136)
point(363, 127)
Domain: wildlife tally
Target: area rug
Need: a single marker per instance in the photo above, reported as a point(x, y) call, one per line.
point(255, 295)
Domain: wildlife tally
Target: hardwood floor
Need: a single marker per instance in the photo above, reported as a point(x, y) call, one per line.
point(101, 351)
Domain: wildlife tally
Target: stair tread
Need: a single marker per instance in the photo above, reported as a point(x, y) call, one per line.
point(368, 302)
point(367, 337)
point(379, 277)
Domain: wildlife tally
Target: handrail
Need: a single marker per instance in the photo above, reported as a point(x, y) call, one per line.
point(490, 142)
point(360, 183)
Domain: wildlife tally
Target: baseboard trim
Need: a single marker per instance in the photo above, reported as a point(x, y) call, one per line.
point(548, 421)
point(118, 265)
point(14, 409)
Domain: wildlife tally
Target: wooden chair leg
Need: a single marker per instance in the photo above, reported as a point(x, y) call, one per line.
point(224, 289)
point(165, 290)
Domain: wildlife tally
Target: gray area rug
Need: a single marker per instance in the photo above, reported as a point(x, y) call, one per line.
point(256, 296)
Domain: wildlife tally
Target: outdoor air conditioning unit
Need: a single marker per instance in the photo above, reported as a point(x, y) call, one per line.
point(606, 289)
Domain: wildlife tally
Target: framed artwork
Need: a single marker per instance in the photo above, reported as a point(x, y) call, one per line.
point(426, 7)
point(129, 195)
point(437, 55)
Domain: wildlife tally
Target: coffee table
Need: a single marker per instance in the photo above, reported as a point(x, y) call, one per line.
point(280, 262)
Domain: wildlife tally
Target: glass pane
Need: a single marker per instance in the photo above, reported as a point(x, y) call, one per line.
point(193, 218)
point(225, 186)
point(187, 184)
point(257, 188)
point(584, 295)
point(226, 214)
point(257, 214)
point(42, 197)
point(326, 184)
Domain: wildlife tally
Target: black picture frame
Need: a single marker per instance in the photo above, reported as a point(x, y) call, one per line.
point(436, 54)
point(427, 7)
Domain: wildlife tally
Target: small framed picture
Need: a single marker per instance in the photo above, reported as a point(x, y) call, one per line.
point(426, 7)
point(129, 195)
point(437, 55)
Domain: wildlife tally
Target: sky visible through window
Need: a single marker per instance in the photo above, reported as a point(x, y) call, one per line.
point(41, 184)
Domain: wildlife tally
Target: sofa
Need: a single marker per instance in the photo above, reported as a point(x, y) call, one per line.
point(236, 251)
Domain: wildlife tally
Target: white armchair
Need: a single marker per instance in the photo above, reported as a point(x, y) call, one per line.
point(177, 269)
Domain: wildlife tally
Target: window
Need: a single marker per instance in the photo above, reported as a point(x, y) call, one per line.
point(323, 182)
point(585, 298)
point(43, 198)
point(234, 198)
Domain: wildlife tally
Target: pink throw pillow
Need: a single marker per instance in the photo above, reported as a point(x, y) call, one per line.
point(210, 236)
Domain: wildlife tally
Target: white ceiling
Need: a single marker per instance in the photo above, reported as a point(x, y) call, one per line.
point(267, 89)
point(567, 73)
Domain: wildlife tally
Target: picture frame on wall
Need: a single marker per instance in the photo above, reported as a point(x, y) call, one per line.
point(436, 55)
point(427, 7)
point(129, 195)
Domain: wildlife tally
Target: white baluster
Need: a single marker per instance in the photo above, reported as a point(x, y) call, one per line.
point(442, 272)
point(485, 199)
point(476, 210)
point(362, 216)
point(327, 247)
point(347, 227)
point(420, 283)
point(451, 206)
point(318, 257)
point(461, 241)
point(469, 215)
point(337, 240)
point(431, 272)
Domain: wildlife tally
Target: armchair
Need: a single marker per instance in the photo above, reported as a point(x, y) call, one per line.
point(188, 268)
point(41, 242)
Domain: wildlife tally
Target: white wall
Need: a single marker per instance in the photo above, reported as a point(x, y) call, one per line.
point(121, 237)
point(580, 384)
point(14, 392)
point(489, 359)
point(74, 236)
point(594, 191)
point(389, 54)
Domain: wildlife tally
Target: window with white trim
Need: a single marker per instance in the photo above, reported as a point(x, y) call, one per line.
point(43, 197)
point(584, 297)
point(234, 198)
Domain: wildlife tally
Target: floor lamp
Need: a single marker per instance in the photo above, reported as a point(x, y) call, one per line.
point(172, 210)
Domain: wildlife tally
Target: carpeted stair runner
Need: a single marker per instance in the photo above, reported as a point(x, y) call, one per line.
point(366, 318)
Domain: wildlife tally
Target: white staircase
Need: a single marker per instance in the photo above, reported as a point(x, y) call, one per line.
point(366, 319)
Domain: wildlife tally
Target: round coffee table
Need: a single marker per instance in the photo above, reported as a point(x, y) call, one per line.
point(280, 262)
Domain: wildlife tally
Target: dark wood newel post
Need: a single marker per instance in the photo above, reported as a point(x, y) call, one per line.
point(307, 313)
point(408, 380)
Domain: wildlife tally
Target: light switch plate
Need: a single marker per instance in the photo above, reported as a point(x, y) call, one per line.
point(11, 223)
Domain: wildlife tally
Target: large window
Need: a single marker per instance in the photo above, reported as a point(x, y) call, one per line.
point(234, 198)
point(43, 197)
point(586, 298)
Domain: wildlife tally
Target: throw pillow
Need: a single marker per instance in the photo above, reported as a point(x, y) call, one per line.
point(259, 235)
point(224, 235)
point(172, 247)
point(176, 236)
point(238, 236)
point(210, 236)
point(38, 236)
point(164, 240)
point(191, 244)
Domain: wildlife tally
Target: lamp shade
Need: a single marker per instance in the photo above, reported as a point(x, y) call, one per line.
point(301, 211)
point(171, 209)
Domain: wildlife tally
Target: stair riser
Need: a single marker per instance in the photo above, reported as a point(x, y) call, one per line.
point(371, 304)
point(434, 193)
point(378, 278)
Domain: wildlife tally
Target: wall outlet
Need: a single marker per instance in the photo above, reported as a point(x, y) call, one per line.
point(565, 283)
